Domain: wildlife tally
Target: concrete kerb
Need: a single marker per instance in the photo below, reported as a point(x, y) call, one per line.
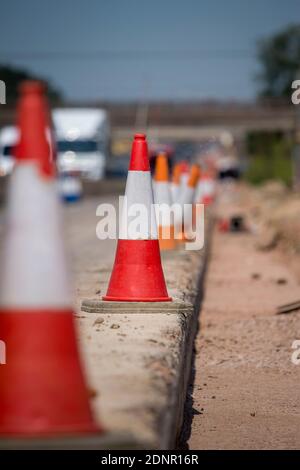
point(105, 441)
point(184, 272)
point(176, 306)
point(174, 419)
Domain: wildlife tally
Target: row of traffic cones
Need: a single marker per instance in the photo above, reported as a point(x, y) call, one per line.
point(188, 187)
point(42, 386)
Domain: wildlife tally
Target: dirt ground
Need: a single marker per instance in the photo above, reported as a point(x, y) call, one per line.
point(245, 392)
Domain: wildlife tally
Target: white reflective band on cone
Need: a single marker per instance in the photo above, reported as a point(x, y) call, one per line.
point(184, 178)
point(175, 190)
point(139, 192)
point(205, 187)
point(186, 195)
point(208, 188)
point(162, 197)
point(33, 268)
point(198, 192)
point(162, 193)
point(153, 187)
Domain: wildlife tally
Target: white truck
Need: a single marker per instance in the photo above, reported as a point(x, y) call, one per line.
point(82, 141)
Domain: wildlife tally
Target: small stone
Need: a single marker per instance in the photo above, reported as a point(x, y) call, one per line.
point(255, 276)
point(281, 281)
point(98, 321)
point(92, 392)
point(252, 414)
point(115, 326)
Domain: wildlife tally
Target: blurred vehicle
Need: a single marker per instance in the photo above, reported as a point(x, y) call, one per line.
point(82, 141)
point(9, 137)
point(228, 167)
point(70, 188)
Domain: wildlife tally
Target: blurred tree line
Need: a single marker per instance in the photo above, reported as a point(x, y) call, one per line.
point(13, 76)
point(271, 152)
point(279, 58)
point(270, 157)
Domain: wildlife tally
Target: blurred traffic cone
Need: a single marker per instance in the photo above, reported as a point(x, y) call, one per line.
point(39, 108)
point(188, 191)
point(208, 188)
point(224, 225)
point(198, 190)
point(184, 175)
point(42, 389)
point(163, 199)
point(186, 201)
point(34, 132)
point(175, 184)
point(137, 274)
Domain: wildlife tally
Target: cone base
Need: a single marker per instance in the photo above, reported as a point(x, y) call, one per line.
point(137, 275)
point(136, 299)
point(42, 389)
point(207, 200)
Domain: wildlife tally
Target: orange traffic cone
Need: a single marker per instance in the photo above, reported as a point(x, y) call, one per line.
point(162, 198)
point(42, 389)
point(137, 274)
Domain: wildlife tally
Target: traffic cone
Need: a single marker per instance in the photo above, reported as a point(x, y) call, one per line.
point(187, 198)
point(199, 190)
point(207, 190)
point(175, 184)
point(137, 274)
point(33, 103)
point(41, 105)
point(188, 191)
point(162, 197)
point(42, 388)
point(184, 174)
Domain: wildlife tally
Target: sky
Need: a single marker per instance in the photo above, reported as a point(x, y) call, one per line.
point(143, 49)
